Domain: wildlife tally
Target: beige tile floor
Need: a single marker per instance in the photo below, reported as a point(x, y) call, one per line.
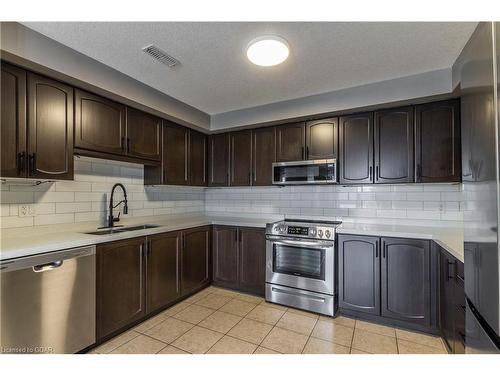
point(220, 321)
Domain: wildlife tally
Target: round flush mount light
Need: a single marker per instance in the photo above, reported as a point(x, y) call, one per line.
point(268, 50)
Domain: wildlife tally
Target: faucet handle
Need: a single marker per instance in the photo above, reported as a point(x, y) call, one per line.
point(115, 219)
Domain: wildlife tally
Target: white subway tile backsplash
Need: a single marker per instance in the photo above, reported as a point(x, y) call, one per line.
point(73, 207)
point(47, 197)
point(54, 219)
point(423, 196)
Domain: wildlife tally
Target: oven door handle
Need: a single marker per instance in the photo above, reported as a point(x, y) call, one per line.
point(316, 245)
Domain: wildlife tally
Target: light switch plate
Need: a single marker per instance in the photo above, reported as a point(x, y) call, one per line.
point(26, 210)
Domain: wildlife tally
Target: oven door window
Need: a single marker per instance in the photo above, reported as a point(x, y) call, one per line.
point(299, 261)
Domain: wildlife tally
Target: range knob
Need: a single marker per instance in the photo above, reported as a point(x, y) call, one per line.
point(281, 229)
point(320, 233)
point(312, 232)
point(327, 233)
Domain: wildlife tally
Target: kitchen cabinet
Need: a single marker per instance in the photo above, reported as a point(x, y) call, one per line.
point(218, 151)
point(356, 149)
point(50, 128)
point(241, 158)
point(143, 135)
point(451, 302)
point(195, 259)
point(162, 270)
point(175, 154)
point(100, 124)
point(239, 258)
point(290, 142)
point(406, 280)
point(120, 285)
point(394, 138)
point(437, 142)
point(197, 158)
point(13, 117)
point(359, 273)
point(263, 155)
point(322, 139)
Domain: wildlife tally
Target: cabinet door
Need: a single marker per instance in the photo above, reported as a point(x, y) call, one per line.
point(241, 158)
point(290, 142)
point(359, 273)
point(50, 128)
point(13, 129)
point(195, 259)
point(197, 158)
point(322, 139)
point(406, 280)
point(143, 135)
point(120, 285)
point(252, 260)
point(356, 149)
point(163, 266)
point(437, 142)
point(175, 154)
point(218, 159)
point(264, 155)
point(394, 138)
point(446, 301)
point(225, 256)
point(99, 124)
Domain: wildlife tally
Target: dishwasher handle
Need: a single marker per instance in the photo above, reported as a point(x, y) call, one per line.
point(48, 266)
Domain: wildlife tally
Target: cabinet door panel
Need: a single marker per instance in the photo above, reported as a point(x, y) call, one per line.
point(264, 155)
point(197, 158)
point(99, 124)
point(359, 273)
point(406, 280)
point(13, 130)
point(446, 299)
point(252, 260)
point(322, 139)
point(241, 158)
point(175, 154)
point(143, 135)
point(50, 128)
point(290, 142)
point(195, 259)
point(394, 138)
point(437, 151)
point(225, 256)
point(356, 149)
point(163, 266)
point(218, 159)
point(120, 283)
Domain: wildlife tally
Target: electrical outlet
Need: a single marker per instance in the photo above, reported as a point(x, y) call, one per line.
point(26, 210)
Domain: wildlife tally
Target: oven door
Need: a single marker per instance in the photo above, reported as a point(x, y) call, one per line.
point(300, 263)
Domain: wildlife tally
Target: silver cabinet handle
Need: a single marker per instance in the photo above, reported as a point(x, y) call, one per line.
point(48, 266)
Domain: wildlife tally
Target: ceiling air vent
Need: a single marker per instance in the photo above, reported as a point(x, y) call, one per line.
point(161, 56)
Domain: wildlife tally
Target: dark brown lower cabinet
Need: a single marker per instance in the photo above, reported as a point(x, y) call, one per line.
point(239, 258)
point(163, 260)
point(120, 285)
point(195, 259)
point(451, 302)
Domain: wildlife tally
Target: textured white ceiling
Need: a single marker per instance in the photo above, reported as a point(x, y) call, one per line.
point(215, 76)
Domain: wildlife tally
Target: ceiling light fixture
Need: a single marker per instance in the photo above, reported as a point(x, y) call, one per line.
point(268, 50)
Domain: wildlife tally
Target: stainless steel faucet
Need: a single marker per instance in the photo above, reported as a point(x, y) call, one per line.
point(111, 219)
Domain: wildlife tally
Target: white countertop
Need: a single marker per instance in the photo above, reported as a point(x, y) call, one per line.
point(19, 242)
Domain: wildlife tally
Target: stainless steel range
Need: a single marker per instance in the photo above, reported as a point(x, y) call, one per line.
point(300, 265)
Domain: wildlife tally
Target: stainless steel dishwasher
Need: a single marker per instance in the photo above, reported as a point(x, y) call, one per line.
point(48, 302)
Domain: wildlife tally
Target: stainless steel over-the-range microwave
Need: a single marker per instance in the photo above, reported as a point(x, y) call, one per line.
point(322, 171)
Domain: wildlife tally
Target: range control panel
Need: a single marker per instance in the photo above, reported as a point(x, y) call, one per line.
point(299, 231)
point(325, 232)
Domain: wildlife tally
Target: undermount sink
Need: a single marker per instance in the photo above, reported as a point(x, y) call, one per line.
point(123, 229)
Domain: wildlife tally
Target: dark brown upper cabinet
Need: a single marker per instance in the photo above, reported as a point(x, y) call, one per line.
point(175, 154)
point(50, 128)
point(197, 158)
point(241, 158)
point(263, 155)
point(356, 149)
point(394, 138)
point(143, 135)
point(218, 158)
point(13, 129)
point(437, 141)
point(322, 139)
point(290, 142)
point(99, 124)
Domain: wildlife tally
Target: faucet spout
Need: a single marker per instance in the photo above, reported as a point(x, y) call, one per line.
point(111, 219)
